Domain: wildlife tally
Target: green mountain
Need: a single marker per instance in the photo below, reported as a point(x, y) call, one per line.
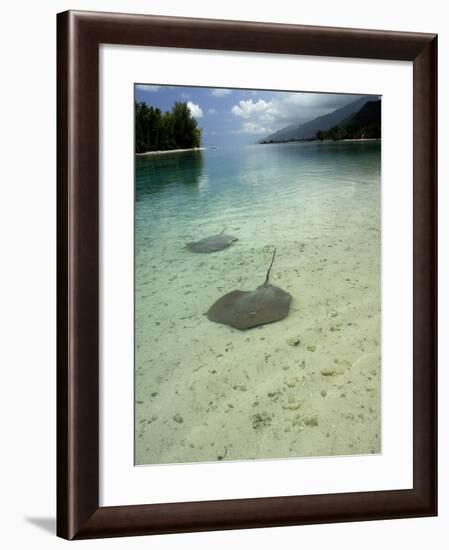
point(309, 129)
point(366, 124)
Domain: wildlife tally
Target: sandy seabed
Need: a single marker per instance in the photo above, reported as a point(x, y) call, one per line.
point(306, 386)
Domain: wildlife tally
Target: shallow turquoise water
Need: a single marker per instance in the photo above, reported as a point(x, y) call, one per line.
point(205, 390)
point(226, 184)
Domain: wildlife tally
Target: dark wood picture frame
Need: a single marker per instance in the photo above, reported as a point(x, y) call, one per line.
point(79, 37)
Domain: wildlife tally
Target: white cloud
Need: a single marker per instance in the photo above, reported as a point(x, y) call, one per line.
point(212, 112)
point(253, 128)
point(249, 108)
point(148, 88)
point(195, 109)
point(267, 116)
point(220, 92)
point(258, 116)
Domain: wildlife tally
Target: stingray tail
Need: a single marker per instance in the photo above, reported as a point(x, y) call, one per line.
point(223, 230)
point(269, 269)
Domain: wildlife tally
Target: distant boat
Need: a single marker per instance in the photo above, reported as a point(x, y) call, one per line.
point(214, 147)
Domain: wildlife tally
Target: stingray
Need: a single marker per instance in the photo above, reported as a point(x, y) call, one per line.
point(247, 309)
point(214, 243)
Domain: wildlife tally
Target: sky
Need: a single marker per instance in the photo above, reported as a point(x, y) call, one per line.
point(236, 117)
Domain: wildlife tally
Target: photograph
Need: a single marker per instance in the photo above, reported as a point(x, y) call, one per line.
point(257, 274)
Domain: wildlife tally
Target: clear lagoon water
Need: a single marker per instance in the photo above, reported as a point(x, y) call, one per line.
point(207, 392)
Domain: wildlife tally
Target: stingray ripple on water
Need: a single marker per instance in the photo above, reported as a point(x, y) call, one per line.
point(214, 243)
point(247, 309)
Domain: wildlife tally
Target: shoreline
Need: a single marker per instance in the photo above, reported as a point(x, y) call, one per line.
point(147, 153)
point(316, 141)
point(360, 139)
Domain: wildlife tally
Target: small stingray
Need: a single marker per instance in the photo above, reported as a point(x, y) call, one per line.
point(214, 243)
point(248, 309)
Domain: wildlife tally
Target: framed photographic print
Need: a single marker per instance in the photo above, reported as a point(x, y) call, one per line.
point(246, 275)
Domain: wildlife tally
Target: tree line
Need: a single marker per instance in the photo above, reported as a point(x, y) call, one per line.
point(162, 131)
